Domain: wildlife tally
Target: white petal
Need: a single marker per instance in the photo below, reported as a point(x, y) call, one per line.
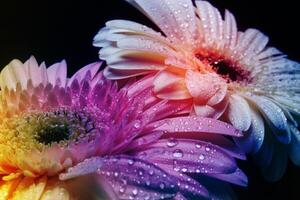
point(113, 74)
point(275, 118)
point(12, 74)
point(176, 20)
point(133, 27)
point(230, 30)
point(253, 139)
point(144, 44)
point(268, 53)
point(57, 71)
point(211, 21)
point(34, 72)
point(239, 112)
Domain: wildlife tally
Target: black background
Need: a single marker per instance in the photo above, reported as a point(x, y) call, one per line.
point(53, 30)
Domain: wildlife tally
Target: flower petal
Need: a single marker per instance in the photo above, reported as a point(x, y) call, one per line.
point(211, 111)
point(239, 112)
point(55, 189)
point(12, 74)
point(30, 188)
point(265, 154)
point(238, 177)
point(80, 75)
point(203, 87)
point(57, 73)
point(7, 188)
point(168, 85)
point(196, 124)
point(189, 156)
point(129, 172)
point(275, 118)
point(253, 139)
point(122, 74)
point(188, 187)
point(176, 20)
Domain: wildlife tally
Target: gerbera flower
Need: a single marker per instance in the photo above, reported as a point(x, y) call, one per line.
point(82, 138)
point(228, 73)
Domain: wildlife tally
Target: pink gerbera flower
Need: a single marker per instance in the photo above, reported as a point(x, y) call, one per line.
point(228, 73)
point(82, 138)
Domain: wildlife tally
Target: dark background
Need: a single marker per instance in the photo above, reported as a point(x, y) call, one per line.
point(53, 30)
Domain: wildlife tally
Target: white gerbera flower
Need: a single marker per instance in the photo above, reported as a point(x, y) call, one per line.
point(230, 74)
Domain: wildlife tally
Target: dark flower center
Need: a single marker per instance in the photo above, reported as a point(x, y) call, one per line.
point(225, 68)
point(53, 132)
point(60, 126)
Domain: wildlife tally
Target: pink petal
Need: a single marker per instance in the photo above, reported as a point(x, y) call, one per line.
point(203, 87)
point(168, 85)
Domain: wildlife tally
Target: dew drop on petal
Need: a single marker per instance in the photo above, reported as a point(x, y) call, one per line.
point(201, 157)
point(130, 162)
point(172, 142)
point(178, 153)
point(134, 191)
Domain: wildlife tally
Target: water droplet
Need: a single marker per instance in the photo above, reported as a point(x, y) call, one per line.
point(162, 186)
point(134, 191)
point(141, 173)
point(172, 142)
point(122, 190)
point(185, 5)
point(207, 149)
point(201, 157)
point(130, 162)
point(151, 172)
point(137, 124)
point(178, 153)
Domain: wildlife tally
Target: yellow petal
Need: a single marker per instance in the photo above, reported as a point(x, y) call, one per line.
point(30, 189)
point(55, 189)
point(7, 188)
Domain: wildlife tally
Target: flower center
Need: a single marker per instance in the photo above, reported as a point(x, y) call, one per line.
point(227, 69)
point(56, 131)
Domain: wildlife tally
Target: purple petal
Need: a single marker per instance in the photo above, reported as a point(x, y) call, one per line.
point(124, 191)
point(139, 173)
point(80, 75)
point(196, 124)
point(238, 178)
point(166, 108)
point(188, 186)
point(189, 156)
point(224, 143)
